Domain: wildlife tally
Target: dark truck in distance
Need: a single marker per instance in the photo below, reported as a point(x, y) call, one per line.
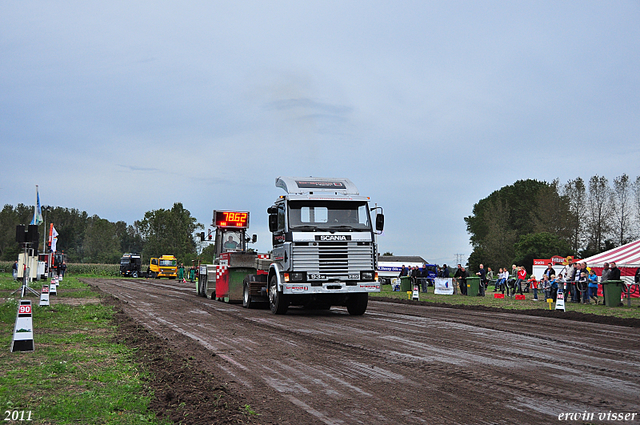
point(130, 265)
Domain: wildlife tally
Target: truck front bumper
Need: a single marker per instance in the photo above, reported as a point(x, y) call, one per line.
point(330, 288)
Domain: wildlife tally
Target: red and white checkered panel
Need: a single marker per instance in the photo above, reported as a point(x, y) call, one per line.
point(220, 270)
point(263, 256)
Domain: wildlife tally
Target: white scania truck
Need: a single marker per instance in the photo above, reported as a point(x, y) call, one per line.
point(324, 248)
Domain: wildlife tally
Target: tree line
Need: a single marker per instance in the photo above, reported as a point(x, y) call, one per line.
point(91, 239)
point(537, 219)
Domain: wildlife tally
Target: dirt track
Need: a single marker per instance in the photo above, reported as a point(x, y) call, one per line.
point(398, 363)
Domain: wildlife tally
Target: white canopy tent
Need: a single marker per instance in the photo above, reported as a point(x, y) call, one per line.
point(626, 257)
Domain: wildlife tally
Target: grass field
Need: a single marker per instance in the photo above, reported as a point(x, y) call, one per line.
point(77, 373)
point(510, 303)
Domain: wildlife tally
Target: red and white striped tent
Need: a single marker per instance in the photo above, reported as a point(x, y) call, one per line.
point(626, 257)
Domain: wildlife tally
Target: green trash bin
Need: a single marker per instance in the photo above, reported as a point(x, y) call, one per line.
point(473, 286)
point(405, 284)
point(612, 292)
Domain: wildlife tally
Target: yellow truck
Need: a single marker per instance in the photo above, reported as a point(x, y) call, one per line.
point(164, 266)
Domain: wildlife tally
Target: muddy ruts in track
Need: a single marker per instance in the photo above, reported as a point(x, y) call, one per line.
point(398, 363)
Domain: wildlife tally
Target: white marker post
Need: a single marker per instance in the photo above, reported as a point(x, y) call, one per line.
point(560, 301)
point(416, 293)
point(44, 295)
point(53, 288)
point(23, 331)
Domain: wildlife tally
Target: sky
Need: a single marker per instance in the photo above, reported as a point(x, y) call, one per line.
point(119, 108)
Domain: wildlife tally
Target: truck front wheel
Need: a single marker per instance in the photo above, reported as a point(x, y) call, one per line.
point(278, 302)
point(357, 304)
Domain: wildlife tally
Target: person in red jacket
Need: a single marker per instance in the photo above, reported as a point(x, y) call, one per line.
point(522, 277)
point(533, 284)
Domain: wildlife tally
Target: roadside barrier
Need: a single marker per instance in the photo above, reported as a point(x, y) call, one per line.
point(53, 288)
point(560, 301)
point(23, 330)
point(44, 295)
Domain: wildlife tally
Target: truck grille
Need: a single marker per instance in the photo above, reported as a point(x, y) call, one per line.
point(333, 259)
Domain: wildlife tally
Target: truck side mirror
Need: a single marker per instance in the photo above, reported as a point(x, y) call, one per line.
point(379, 222)
point(272, 210)
point(273, 223)
point(254, 239)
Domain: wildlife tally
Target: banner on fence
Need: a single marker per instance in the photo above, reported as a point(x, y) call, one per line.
point(443, 286)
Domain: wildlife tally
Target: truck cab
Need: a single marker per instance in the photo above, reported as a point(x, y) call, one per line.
point(324, 247)
point(130, 265)
point(163, 266)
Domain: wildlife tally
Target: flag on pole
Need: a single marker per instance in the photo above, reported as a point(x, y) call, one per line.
point(37, 211)
point(53, 238)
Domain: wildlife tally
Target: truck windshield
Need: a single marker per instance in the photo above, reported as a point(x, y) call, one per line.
point(168, 263)
point(328, 215)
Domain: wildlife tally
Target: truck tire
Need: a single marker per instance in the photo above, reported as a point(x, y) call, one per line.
point(278, 302)
point(134, 274)
point(357, 304)
point(202, 286)
point(247, 302)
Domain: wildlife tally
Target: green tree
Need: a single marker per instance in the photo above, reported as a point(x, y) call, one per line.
point(70, 224)
point(101, 243)
point(551, 213)
point(622, 212)
point(10, 217)
point(574, 191)
point(168, 232)
point(539, 245)
point(500, 219)
point(599, 223)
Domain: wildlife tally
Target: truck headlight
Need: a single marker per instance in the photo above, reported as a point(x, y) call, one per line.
point(366, 276)
point(295, 277)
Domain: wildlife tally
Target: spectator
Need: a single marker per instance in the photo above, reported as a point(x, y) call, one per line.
point(489, 274)
point(614, 274)
point(461, 277)
point(570, 271)
point(582, 287)
point(555, 284)
point(605, 276)
point(482, 273)
point(546, 286)
point(414, 276)
point(424, 274)
point(403, 271)
point(63, 269)
point(14, 271)
point(501, 283)
point(593, 286)
point(445, 271)
point(520, 279)
point(571, 283)
point(533, 284)
point(549, 271)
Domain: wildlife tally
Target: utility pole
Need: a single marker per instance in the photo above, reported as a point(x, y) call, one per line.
point(459, 259)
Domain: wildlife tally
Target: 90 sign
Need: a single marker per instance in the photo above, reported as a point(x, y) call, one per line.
point(233, 219)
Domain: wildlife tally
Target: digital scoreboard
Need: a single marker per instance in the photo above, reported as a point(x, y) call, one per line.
point(231, 219)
